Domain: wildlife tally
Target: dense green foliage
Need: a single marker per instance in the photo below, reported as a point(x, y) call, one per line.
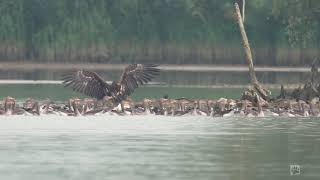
point(163, 31)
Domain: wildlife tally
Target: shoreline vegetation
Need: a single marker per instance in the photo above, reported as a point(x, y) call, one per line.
point(165, 54)
point(282, 33)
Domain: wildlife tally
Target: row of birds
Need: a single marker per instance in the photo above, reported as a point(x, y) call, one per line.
point(163, 106)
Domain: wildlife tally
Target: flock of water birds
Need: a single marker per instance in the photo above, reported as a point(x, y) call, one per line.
point(113, 99)
point(163, 106)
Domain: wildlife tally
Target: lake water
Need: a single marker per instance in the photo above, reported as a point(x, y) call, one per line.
point(157, 147)
point(153, 147)
point(58, 92)
point(172, 78)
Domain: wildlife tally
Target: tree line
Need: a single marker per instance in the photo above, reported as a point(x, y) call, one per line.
point(285, 32)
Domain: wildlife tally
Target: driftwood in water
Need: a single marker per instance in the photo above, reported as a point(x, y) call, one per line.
point(248, 55)
point(309, 91)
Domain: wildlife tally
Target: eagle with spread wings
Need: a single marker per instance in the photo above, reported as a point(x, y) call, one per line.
point(91, 84)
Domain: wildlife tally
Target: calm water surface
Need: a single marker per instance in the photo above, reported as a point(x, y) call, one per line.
point(57, 92)
point(154, 147)
point(173, 77)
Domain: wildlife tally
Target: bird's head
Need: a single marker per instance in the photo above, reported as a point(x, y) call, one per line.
point(9, 103)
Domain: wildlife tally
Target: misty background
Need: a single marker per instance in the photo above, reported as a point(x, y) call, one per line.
point(282, 32)
point(182, 32)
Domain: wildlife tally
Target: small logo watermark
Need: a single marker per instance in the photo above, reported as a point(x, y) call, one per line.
point(295, 170)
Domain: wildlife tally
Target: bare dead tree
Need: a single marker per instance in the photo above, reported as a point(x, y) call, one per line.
point(242, 5)
point(248, 56)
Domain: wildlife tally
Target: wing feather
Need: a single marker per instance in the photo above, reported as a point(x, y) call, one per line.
point(87, 82)
point(137, 74)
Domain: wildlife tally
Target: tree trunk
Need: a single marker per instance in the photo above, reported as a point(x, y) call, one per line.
point(248, 55)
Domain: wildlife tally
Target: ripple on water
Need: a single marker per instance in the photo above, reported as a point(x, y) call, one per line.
point(157, 147)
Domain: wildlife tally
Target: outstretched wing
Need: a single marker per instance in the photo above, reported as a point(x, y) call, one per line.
point(135, 75)
point(87, 82)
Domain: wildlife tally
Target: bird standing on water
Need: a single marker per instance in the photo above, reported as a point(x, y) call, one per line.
point(91, 84)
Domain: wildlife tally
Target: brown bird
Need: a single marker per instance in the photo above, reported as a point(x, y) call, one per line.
point(91, 84)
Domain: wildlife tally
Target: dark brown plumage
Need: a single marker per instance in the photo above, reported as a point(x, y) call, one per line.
point(91, 84)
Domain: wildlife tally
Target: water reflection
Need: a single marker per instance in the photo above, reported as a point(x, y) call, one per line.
point(58, 92)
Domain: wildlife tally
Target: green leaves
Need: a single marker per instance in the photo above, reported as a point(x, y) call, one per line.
point(43, 25)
